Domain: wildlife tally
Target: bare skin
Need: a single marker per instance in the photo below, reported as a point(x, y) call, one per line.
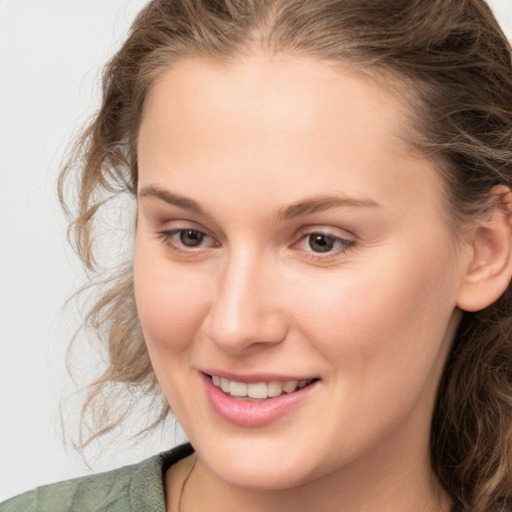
point(360, 292)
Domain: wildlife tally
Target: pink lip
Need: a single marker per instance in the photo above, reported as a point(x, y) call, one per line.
point(253, 414)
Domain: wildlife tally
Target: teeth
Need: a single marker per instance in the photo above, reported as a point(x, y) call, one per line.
point(290, 386)
point(237, 388)
point(224, 385)
point(259, 390)
point(274, 389)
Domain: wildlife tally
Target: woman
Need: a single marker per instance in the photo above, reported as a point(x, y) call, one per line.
point(322, 259)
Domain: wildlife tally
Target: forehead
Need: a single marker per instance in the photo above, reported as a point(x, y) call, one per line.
point(286, 123)
point(284, 88)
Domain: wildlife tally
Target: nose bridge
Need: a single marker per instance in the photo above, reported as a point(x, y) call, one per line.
point(244, 310)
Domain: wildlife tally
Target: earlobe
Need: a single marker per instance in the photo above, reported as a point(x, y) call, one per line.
point(489, 270)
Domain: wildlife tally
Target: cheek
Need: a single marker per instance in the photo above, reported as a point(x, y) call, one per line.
point(374, 324)
point(171, 303)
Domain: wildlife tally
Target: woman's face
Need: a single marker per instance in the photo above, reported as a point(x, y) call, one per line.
point(289, 243)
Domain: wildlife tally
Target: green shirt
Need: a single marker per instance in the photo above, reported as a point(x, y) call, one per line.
point(135, 488)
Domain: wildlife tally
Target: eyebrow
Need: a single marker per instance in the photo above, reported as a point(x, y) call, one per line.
point(306, 207)
point(320, 204)
point(172, 199)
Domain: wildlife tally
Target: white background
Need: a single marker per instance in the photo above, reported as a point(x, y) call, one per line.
point(51, 53)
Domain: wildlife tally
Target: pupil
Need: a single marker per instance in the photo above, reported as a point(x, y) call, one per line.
point(320, 243)
point(191, 237)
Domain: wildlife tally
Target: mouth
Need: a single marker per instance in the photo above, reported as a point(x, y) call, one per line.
point(255, 401)
point(258, 391)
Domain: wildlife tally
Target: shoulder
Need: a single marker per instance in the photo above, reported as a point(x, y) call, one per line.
point(101, 492)
point(137, 488)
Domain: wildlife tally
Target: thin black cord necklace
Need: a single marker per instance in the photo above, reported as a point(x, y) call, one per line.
point(185, 483)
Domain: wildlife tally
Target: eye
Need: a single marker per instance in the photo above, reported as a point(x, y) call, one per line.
point(186, 239)
point(191, 237)
point(320, 242)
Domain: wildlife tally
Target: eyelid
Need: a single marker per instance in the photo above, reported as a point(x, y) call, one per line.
point(175, 227)
point(345, 240)
point(166, 238)
point(335, 232)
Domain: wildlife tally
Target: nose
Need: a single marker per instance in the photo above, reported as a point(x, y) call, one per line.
point(245, 312)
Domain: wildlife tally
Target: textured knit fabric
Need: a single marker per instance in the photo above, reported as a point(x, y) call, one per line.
point(136, 488)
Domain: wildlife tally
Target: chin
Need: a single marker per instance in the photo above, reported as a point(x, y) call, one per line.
point(262, 477)
point(259, 463)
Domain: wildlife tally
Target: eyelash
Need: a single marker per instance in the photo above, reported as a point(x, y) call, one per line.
point(344, 245)
point(167, 238)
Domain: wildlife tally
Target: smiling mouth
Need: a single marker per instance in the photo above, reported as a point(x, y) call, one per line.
point(258, 390)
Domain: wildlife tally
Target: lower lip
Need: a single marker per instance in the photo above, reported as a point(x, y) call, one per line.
point(253, 414)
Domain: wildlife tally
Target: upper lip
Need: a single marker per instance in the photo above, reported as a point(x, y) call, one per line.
point(252, 378)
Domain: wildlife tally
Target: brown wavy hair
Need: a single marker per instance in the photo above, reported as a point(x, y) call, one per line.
point(450, 61)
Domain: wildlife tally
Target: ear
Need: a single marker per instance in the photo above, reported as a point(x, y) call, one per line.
point(489, 270)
